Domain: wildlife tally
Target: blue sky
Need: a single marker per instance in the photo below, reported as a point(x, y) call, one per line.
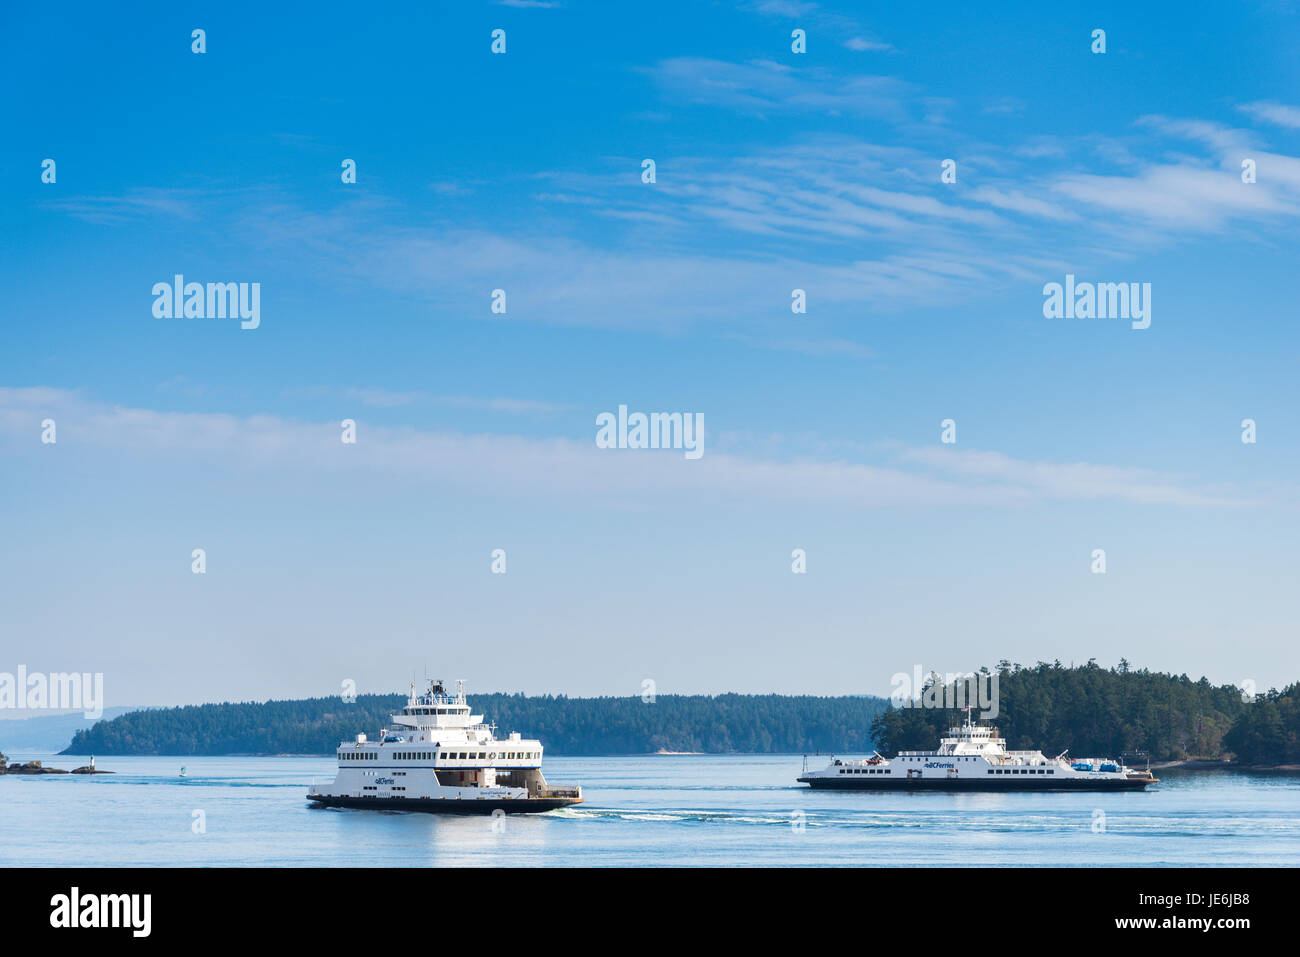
point(522, 171)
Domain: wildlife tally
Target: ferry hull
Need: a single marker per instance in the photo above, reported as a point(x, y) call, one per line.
point(975, 784)
point(446, 805)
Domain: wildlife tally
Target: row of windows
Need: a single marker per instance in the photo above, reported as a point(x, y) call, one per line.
point(864, 770)
point(942, 757)
point(446, 756)
point(484, 755)
point(1020, 771)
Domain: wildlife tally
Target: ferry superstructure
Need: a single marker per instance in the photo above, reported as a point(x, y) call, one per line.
point(439, 757)
point(975, 758)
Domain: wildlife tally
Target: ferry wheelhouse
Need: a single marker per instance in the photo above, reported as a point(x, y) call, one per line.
point(975, 758)
point(439, 757)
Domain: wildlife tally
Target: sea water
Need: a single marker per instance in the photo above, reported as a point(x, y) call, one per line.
point(644, 811)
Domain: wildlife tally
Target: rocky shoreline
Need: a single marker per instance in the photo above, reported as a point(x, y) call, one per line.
point(36, 767)
point(1211, 764)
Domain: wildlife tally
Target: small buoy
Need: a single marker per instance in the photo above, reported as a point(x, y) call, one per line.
point(182, 772)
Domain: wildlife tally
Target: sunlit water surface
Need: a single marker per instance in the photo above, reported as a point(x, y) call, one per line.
point(642, 811)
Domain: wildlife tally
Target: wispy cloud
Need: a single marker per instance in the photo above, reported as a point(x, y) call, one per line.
point(1278, 114)
point(574, 468)
point(822, 23)
point(132, 204)
point(866, 44)
point(377, 398)
point(1076, 480)
point(764, 86)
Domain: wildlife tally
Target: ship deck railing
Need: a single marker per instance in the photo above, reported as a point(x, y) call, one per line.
point(559, 791)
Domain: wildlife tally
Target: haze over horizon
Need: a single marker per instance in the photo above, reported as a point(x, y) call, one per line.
point(328, 561)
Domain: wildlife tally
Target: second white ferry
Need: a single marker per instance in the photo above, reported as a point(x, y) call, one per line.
point(975, 758)
point(439, 757)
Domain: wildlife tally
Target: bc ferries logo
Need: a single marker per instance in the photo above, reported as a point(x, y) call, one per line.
point(939, 764)
point(1103, 300)
point(215, 300)
point(384, 780)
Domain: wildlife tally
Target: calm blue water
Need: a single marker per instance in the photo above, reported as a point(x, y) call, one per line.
point(653, 810)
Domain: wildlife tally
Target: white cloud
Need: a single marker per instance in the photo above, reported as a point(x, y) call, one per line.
point(766, 87)
point(564, 467)
point(1277, 113)
point(866, 44)
point(1174, 196)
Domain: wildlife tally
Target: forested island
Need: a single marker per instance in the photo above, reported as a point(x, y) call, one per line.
point(1089, 709)
point(757, 724)
point(1112, 712)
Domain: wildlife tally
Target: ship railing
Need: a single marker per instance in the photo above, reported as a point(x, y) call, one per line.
point(559, 791)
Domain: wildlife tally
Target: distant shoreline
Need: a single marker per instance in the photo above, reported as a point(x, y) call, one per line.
point(1189, 764)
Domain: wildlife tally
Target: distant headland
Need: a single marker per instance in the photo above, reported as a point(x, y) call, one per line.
point(1167, 719)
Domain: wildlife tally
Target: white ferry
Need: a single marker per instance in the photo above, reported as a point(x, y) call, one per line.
point(438, 757)
point(975, 758)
